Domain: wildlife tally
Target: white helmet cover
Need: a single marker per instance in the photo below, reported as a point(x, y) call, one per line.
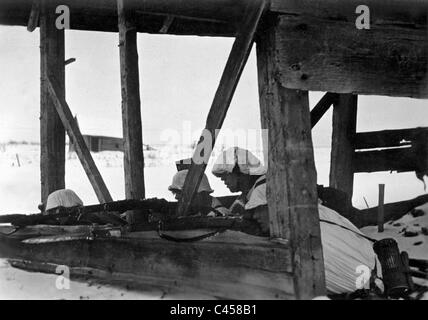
point(180, 177)
point(63, 198)
point(247, 162)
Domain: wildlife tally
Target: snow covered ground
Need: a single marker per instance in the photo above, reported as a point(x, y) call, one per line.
point(20, 193)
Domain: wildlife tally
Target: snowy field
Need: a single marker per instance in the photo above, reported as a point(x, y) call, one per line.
point(20, 193)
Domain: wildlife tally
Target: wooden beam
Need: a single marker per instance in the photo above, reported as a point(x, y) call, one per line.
point(388, 138)
point(131, 110)
point(381, 211)
point(33, 20)
point(218, 18)
point(82, 151)
point(322, 50)
point(397, 159)
point(52, 133)
point(222, 267)
point(329, 53)
point(167, 24)
point(232, 72)
point(291, 178)
point(68, 61)
point(342, 145)
point(322, 107)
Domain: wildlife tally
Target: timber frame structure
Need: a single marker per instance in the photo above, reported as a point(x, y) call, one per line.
point(302, 45)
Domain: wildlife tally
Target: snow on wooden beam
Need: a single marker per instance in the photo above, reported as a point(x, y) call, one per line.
point(397, 159)
point(388, 138)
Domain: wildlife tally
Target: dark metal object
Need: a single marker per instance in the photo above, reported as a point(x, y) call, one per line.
point(393, 271)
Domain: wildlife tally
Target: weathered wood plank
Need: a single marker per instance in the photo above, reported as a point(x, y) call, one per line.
point(131, 110)
point(232, 72)
point(388, 138)
point(322, 107)
point(380, 209)
point(399, 12)
point(291, 177)
point(217, 19)
point(342, 145)
point(226, 268)
point(330, 54)
point(52, 133)
point(397, 159)
point(82, 151)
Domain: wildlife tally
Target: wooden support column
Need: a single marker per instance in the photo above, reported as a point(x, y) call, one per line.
point(131, 112)
point(343, 145)
point(291, 177)
point(52, 133)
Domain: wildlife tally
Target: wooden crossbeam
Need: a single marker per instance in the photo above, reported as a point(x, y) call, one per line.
point(33, 20)
point(82, 150)
point(229, 80)
point(388, 138)
point(397, 159)
point(322, 107)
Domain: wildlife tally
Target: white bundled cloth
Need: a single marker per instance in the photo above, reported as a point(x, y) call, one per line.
point(347, 255)
point(349, 258)
point(63, 198)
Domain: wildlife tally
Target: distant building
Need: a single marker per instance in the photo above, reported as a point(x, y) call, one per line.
point(101, 143)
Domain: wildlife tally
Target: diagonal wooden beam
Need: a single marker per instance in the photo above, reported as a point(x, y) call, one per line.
point(235, 64)
point(82, 150)
point(322, 107)
point(33, 20)
point(167, 23)
point(68, 61)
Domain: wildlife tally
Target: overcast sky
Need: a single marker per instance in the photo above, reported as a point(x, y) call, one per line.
point(178, 79)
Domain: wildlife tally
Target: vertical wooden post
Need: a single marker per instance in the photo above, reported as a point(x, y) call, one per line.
point(342, 148)
point(52, 133)
point(291, 178)
point(380, 208)
point(131, 113)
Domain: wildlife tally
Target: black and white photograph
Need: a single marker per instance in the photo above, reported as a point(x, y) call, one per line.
point(213, 150)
